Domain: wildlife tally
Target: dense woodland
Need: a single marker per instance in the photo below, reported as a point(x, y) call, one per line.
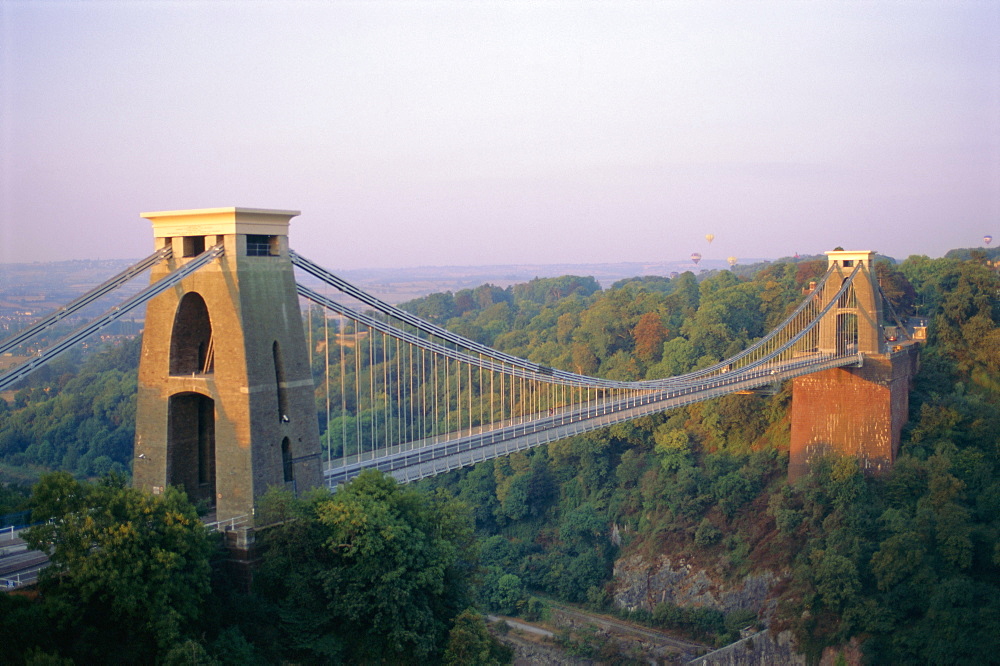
point(908, 564)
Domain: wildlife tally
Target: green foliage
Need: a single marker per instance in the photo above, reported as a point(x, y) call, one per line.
point(129, 570)
point(534, 609)
point(82, 422)
point(546, 291)
point(707, 534)
point(13, 499)
point(898, 291)
point(673, 446)
point(470, 644)
point(374, 572)
point(699, 621)
point(26, 627)
point(188, 653)
point(503, 592)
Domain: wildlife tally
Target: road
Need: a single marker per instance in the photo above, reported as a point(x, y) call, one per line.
point(622, 627)
point(523, 626)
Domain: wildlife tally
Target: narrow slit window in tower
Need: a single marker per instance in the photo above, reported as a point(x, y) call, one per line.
point(286, 460)
point(279, 382)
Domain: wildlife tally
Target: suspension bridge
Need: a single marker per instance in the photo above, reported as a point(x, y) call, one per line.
point(228, 402)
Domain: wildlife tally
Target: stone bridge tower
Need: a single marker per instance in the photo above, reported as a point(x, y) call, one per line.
point(226, 407)
point(855, 323)
point(854, 411)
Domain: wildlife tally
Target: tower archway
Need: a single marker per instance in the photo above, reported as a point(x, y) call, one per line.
point(191, 445)
point(847, 333)
point(224, 376)
point(191, 342)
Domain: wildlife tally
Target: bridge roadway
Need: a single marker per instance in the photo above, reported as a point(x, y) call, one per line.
point(413, 461)
point(18, 565)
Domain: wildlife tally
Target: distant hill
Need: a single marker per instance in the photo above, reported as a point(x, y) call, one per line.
point(964, 254)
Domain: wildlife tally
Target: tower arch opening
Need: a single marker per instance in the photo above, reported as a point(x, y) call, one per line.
point(191, 445)
point(191, 343)
point(847, 333)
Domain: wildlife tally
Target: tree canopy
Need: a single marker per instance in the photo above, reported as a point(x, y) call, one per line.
point(129, 570)
point(374, 573)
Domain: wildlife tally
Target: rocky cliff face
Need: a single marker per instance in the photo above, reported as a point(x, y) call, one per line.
point(640, 583)
point(761, 648)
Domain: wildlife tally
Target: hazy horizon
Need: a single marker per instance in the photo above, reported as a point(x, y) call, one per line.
point(504, 133)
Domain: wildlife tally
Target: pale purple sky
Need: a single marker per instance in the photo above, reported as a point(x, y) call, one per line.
point(423, 133)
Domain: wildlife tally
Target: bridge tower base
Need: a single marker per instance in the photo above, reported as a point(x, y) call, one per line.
point(857, 412)
point(225, 406)
point(243, 557)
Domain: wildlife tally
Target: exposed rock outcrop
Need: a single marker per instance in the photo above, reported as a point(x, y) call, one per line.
point(761, 648)
point(643, 584)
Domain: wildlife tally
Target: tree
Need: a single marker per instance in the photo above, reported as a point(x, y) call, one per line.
point(550, 290)
point(686, 289)
point(707, 534)
point(896, 287)
point(679, 356)
point(373, 573)
point(673, 447)
point(585, 362)
point(507, 594)
point(649, 334)
point(129, 569)
point(470, 644)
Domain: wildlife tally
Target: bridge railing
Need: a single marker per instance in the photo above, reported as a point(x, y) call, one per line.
point(408, 463)
point(19, 580)
point(233, 523)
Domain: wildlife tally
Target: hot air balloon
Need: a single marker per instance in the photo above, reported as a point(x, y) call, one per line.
point(710, 238)
point(674, 274)
point(696, 257)
point(987, 239)
point(732, 261)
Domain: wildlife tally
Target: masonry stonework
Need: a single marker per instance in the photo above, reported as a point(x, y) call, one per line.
point(857, 412)
point(225, 401)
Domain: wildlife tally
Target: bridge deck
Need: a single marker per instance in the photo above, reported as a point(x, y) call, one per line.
point(413, 462)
